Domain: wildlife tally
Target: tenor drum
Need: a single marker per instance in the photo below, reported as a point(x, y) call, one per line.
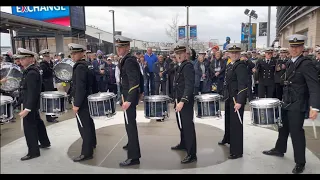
point(6, 108)
point(13, 74)
point(53, 103)
point(265, 111)
point(63, 70)
point(208, 105)
point(156, 107)
point(102, 104)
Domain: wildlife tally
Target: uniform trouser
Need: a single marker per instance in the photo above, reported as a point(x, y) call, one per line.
point(163, 89)
point(87, 132)
point(233, 128)
point(265, 91)
point(249, 91)
point(292, 122)
point(34, 131)
point(62, 88)
point(278, 91)
point(187, 131)
point(132, 133)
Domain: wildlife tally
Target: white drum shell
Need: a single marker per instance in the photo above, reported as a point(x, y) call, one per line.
point(6, 112)
point(208, 105)
point(157, 107)
point(102, 105)
point(53, 103)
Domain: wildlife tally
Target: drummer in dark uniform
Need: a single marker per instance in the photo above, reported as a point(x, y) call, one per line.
point(184, 81)
point(81, 89)
point(235, 95)
point(47, 77)
point(265, 69)
point(280, 70)
point(300, 94)
point(31, 85)
point(131, 85)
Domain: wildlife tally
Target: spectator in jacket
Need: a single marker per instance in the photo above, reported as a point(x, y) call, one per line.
point(145, 72)
point(217, 71)
point(171, 72)
point(160, 76)
point(202, 74)
point(110, 70)
point(99, 69)
point(151, 58)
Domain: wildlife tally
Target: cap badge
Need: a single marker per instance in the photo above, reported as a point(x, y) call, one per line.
point(295, 39)
point(234, 46)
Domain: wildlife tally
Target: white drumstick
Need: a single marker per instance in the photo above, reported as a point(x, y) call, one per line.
point(234, 100)
point(314, 130)
point(77, 117)
point(125, 112)
point(179, 118)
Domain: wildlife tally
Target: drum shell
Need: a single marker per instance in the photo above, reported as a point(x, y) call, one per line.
point(53, 105)
point(6, 108)
point(102, 107)
point(207, 105)
point(13, 74)
point(265, 111)
point(156, 107)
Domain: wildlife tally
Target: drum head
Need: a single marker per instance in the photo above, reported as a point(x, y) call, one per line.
point(265, 103)
point(101, 96)
point(64, 69)
point(6, 99)
point(156, 98)
point(53, 94)
point(207, 97)
point(13, 74)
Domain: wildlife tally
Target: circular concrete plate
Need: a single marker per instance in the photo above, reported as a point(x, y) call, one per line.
point(156, 139)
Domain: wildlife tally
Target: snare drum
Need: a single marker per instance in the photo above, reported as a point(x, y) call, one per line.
point(208, 105)
point(53, 102)
point(13, 74)
point(6, 108)
point(156, 107)
point(265, 111)
point(102, 104)
point(63, 70)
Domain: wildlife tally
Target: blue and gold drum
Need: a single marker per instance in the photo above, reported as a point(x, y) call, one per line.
point(156, 107)
point(207, 105)
point(265, 111)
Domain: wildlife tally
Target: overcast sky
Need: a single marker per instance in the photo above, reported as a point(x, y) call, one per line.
point(149, 23)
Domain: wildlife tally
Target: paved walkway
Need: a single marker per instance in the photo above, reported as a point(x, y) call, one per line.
point(63, 134)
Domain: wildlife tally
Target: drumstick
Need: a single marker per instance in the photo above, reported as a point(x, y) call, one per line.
point(234, 100)
point(77, 117)
point(179, 118)
point(314, 128)
point(125, 112)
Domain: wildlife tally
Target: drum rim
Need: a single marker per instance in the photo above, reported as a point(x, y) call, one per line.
point(156, 98)
point(6, 101)
point(213, 97)
point(101, 98)
point(271, 105)
point(57, 94)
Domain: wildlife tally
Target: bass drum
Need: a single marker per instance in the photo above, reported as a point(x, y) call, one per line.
point(63, 70)
point(13, 74)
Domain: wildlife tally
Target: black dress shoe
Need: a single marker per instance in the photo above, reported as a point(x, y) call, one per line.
point(178, 147)
point(27, 157)
point(273, 152)
point(298, 169)
point(44, 146)
point(125, 147)
point(223, 142)
point(82, 158)
point(233, 156)
point(129, 162)
point(189, 159)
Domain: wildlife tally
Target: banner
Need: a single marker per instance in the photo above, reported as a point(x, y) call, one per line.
point(193, 32)
point(182, 32)
point(53, 14)
point(263, 28)
point(245, 33)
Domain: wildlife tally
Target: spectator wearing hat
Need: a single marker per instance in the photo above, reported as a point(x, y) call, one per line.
point(265, 69)
point(300, 95)
point(111, 76)
point(99, 69)
point(160, 69)
point(202, 74)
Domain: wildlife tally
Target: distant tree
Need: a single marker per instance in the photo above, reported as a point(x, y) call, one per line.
point(172, 30)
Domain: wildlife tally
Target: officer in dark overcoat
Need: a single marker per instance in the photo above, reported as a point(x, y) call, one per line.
point(30, 89)
point(235, 96)
point(184, 81)
point(300, 94)
point(131, 81)
point(81, 89)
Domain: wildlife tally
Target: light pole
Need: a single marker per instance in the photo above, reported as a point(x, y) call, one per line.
point(251, 14)
point(188, 26)
point(268, 32)
point(99, 33)
point(114, 31)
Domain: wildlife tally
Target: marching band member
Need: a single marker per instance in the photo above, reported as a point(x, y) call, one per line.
point(301, 87)
point(31, 85)
point(47, 77)
point(184, 81)
point(265, 69)
point(280, 70)
point(131, 82)
point(81, 89)
point(235, 94)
